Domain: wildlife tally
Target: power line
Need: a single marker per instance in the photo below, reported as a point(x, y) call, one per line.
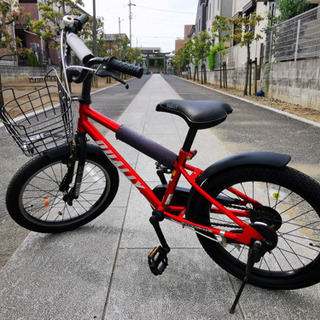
point(154, 9)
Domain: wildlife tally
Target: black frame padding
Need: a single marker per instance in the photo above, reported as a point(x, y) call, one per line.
point(146, 146)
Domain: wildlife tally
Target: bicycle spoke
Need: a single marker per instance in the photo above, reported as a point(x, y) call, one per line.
point(43, 200)
point(300, 244)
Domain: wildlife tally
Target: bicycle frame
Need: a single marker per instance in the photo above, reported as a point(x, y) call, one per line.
point(173, 213)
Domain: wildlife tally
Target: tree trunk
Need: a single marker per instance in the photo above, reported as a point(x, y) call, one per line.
point(1, 95)
point(255, 76)
point(245, 91)
point(204, 74)
point(225, 85)
point(201, 72)
point(250, 77)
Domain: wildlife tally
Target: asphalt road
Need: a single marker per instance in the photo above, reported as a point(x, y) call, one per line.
point(11, 159)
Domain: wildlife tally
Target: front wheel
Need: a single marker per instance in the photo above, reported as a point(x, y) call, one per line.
point(289, 203)
point(35, 202)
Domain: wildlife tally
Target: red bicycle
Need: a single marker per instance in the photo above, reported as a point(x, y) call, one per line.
point(255, 216)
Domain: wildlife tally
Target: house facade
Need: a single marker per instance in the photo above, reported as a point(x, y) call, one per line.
point(221, 8)
point(43, 50)
point(188, 28)
point(286, 69)
point(201, 17)
point(28, 39)
point(237, 55)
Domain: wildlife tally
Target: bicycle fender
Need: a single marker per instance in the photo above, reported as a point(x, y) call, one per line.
point(257, 158)
point(66, 149)
point(250, 158)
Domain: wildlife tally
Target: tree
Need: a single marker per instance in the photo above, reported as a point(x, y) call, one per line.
point(212, 59)
point(178, 61)
point(10, 12)
point(200, 51)
point(291, 8)
point(187, 53)
point(203, 51)
point(86, 33)
point(134, 55)
point(48, 26)
point(122, 46)
point(220, 28)
point(195, 56)
point(245, 35)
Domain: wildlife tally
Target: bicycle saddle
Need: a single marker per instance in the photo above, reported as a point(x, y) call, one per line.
point(197, 114)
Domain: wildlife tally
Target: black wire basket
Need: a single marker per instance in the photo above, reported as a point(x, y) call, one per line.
point(40, 120)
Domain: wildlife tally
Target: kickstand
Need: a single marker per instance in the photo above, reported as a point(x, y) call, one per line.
point(254, 255)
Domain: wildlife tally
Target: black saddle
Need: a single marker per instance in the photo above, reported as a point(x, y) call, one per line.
point(197, 114)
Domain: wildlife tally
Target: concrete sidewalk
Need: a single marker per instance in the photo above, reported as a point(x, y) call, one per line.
point(100, 271)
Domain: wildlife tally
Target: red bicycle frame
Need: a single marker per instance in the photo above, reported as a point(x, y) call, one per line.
point(180, 167)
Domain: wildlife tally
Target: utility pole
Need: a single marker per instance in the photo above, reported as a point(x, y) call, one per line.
point(120, 26)
point(94, 31)
point(95, 51)
point(130, 18)
point(120, 51)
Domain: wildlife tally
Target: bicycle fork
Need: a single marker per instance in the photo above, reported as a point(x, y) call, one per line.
point(79, 152)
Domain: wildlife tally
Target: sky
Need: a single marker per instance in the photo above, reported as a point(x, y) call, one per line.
point(154, 23)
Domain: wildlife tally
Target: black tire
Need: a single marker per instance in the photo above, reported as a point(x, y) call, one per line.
point(286, 193)
point(35, 202)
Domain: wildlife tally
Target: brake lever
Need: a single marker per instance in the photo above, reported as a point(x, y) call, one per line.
point(103, 72)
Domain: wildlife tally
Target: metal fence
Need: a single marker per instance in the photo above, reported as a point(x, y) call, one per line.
point(296, 38)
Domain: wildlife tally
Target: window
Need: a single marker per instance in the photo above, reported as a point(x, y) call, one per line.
point(33, 47)
point(237, 29)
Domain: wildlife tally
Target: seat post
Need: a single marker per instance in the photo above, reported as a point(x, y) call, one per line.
point(189, 139)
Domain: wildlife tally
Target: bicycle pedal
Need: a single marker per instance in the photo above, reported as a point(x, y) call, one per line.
point(158, 260)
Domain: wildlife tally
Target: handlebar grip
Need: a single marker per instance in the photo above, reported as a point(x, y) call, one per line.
point(79, 48)
point(123, 67)
point(81, 21)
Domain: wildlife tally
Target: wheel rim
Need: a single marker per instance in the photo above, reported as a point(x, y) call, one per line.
point(42, 201)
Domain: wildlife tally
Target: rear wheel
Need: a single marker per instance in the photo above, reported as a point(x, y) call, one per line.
point(290, 204)
point(35, 202)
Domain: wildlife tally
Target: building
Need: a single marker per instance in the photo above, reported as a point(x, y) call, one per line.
point(114, 40)
point(237, 55)
point(201, 17)
point(43, 50)
point(221, 8)
point(180, 42)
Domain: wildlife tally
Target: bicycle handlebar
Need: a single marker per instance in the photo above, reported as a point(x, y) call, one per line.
point(85, 54)
point(116, 65)
point(81, 21)
point(79, 48)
